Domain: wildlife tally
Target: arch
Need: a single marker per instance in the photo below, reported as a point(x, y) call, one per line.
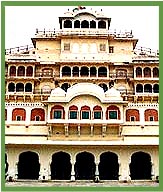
point(102, 72)
point(12, 71)
point(155, 72)
point(104, 86)
point(6, 165)
point(147, 72)
point(21, 71)
point(19, 87)
point(102, 24)
point(57, 112)
point(93, 24)
point(148, 88)
point(73, 107)
point(73, 112)
point(5, 114)
point(28, 165)
point(108, 166)
point(155, 88)
point(66, 71)
point(29, 71)
point(151, 113)
point(84, 71)
point(132, 113)
point(138, 72)
point(65, 86)
point(67, 24)
point(113, 112)
point(97, 112)
point(11, 87)
point(77, 24)
point(28, 87)
point(18, 112)
point(75, 71)
point(61, 166)
point(38, 112)
point(93, 72)
point(84, 24)
point(139, 88)
point(140, 166)
point(85, 166)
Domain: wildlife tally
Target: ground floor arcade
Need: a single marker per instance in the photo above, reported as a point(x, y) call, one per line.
point(61, 162)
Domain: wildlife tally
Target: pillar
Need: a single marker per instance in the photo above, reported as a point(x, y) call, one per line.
point(124, 169)
point(73, 161)
point(66, 130)
point(97, 161)
point(103, 130)
point(78, 130)
point(45, 172)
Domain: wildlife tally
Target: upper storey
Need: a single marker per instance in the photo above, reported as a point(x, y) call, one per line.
point(80, 18)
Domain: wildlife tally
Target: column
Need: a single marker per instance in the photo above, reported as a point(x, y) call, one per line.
point(73, 161)
point(12, 159)
point(28, 116)
point(44, 166)
point(97, 161)
point(78, 130)
point(103, 130)
point(91, 130)
point(124, 170)
point(141, 113)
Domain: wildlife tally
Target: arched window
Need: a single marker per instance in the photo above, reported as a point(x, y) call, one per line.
point(84, 24)
point(93, 72)
point(132, 115)
point(38, 112)
point(102, 24)
point(19, 87)
point(104, 86)
point(28, 87)
point(151, 115)
point(21, 71)
point(66, 71)
point(65, 86)
point(138, 72)
point(156, 88)
point(12, 71)
point(102, 72)
point(93, 24)
point(139, 88)
point(18, 114)
point(75, 71)
point(57, 112)
point(11, 87)
point(97, 112)
point(68, 24)
point(155, 72)
point(148, 88)
point(84, 71)
point(29, 71)
point(73, 112)
point(85, 112)
point(147, 72)
point(113, 112)
point(77, 24)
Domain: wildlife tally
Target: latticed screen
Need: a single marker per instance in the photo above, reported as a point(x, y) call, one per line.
point(112, 114)
point(73, 114)
point(97, 115)
point(57, 114)
point(85, 114)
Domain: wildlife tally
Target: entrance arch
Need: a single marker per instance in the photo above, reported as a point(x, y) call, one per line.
point(140, 166)
point(61, 166)
point(108, 166)
point(28, 165)
point(85, 166)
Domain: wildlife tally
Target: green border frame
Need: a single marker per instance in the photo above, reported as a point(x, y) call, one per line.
point(71, 3)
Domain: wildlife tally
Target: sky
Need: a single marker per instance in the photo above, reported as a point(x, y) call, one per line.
point(21, 22)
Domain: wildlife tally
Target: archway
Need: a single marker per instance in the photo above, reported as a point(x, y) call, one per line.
point(108, 166)
point(61, 166)
point(11, 87)
point(28, 165)
point(84, 166)
point(6, 165)
point(140, 166)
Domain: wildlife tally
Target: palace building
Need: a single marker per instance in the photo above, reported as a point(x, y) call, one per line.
point(81, 103)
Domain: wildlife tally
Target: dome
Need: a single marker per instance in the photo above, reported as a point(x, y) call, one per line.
point(113, 94)
point(58, 92)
